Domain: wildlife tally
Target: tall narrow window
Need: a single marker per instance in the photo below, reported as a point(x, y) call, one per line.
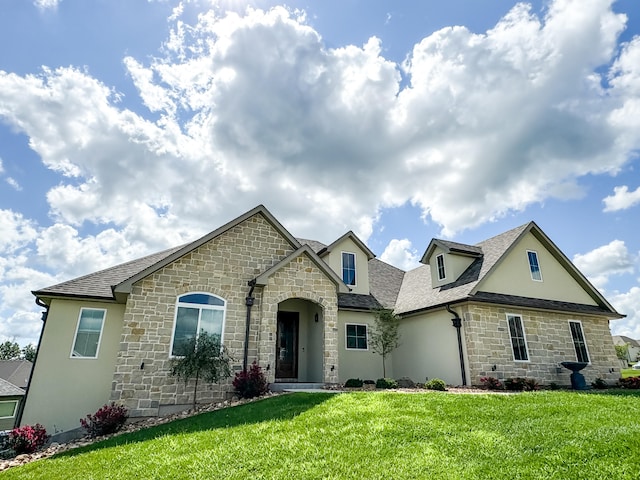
point(518, 341)
point(196, 312)
point(356, 337)
point(88, 333)
point(442, 273)
point(582, 355)
point(349, 268)
point(534, 266)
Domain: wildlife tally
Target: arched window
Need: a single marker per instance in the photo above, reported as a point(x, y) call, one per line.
point(196, 312)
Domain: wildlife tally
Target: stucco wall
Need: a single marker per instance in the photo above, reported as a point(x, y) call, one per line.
point(513, 276)
point(428, 349)
point(548, 340)
point(334, 259)
point(64, 389)
point(363, 364)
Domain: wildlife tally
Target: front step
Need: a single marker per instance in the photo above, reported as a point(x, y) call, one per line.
point(286, 386)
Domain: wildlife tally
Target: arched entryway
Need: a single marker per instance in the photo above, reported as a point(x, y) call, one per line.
point(299, 342)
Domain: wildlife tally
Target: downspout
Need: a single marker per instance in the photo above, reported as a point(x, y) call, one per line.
point(457, 323)
point(45, 314)
point(249, 303)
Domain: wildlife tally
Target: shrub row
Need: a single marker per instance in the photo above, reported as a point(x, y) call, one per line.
point(387, 383)
point(514, 384)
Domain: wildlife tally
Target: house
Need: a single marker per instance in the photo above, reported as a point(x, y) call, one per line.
point(633, 352)
point(14, 377)
point(513, 305)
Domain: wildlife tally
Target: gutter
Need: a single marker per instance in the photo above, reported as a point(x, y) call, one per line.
point(249, 303)
point(457, 323)
point(45, 314)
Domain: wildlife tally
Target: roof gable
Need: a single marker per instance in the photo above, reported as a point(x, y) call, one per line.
point(451, 248)
point(303, 250)
point(326, 250)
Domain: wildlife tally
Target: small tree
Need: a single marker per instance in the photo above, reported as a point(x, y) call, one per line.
point(203, 357)
point(9, 350)
point(29, 352)
point(622, 351)
point(385, 337)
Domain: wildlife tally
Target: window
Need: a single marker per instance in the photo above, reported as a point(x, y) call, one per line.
point(518, 341)
point(356, 337)
point(442, 273)
point(196, 312)
point(8, 409)
point(582, 355)
point(349, 268)
point(534, 266)
point(88, 333)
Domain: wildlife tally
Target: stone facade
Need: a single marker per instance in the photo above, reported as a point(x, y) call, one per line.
point(222, 267)
point(548, 339)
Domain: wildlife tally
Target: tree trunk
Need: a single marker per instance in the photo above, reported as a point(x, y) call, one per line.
point(384, 367)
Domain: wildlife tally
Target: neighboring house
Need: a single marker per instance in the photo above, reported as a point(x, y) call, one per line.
point(14, 378)
point(304, 312)
point(633, 353)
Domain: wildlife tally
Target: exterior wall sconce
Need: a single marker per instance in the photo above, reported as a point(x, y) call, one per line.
point(142, 366)
point(268, 367)
point(315, 318)
point(333, 367)
point(494, 368)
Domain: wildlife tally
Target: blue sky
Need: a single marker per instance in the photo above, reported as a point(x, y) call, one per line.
point(128, 126)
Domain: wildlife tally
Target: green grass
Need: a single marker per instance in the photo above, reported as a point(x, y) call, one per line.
point(545, 435)
point(629, 372)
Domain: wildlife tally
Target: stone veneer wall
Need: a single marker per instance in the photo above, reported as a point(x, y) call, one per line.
point(548, 340)
point(222, 266)
point(300, 279)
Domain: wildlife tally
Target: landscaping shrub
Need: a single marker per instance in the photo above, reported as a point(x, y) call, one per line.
point(27, 439)
point(369, 382)
point(108, 419)
point(515, 384)
point(554, 386)
point(599, 384)
point(406, 382)
point(491, 383)
point(436, 384)
point(353, 383)
point(386, 383)
point(632, 383)
point(530, 385)
point(252, 383)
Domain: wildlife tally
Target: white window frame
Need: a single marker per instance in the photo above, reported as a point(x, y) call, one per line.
point(15, 408)
point(75, 336)
point(584, 340)
point(531, 269)
point(524, 337)
point(200, 306)
point(355, 268)
point(444, 266)
point(366, 335)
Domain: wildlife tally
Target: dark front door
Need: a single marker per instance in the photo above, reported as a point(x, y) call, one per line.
point(287, 346)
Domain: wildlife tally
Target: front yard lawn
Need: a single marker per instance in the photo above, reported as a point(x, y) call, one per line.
point(380, 435)
point(629, 372)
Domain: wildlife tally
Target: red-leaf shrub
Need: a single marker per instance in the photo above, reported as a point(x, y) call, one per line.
point(27, 439)
point(632, 383)
point(108, 419)
point(491, 383)
point(252, 383)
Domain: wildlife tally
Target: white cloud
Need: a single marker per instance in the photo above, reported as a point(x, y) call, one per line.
point(46, 4)
point(629, 304)
point(621, 199)
point(401, 254)
point(14, 184)
point(599, 264)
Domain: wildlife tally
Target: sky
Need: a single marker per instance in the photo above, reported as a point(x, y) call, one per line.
point(131, 126)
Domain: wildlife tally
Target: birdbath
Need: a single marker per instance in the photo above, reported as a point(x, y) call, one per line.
point(577, 379)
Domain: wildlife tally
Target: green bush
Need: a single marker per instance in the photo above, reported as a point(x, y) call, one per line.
point(386, 383)
point(436, 384)
point(530, 385)
point(353, 383)
point(515, 384)
point(369, 382)
point(599, 384)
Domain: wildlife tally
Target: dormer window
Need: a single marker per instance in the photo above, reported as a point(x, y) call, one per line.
point(534, 266)
point(349, 268)
point(442, 273)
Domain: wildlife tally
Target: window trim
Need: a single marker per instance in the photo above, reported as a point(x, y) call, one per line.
point(444, 267)
point(537, 257)
point(201, 306)
point(584, 341)
point(75, 336)
point(15, 408)
point(355, 268)
point(524, 337)
point(366, 336)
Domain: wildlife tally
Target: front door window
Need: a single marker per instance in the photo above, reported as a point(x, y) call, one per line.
point(287, 346)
